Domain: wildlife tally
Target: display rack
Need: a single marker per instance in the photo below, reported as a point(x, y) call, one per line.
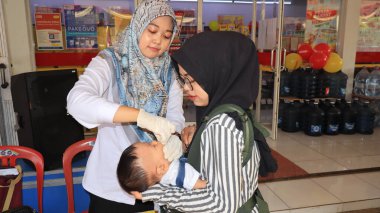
point(366, 97)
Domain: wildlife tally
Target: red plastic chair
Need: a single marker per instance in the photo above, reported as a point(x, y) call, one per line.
point(68, 155)
point(9, 155)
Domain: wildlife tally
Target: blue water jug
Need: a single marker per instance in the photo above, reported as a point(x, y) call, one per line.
point(348, 119)
point(332, 120)
point(285, 83)
point(360, 81)
point(372, 88)
point(308, 84)
point(365, 119)
point(290, 120)
point(295, 82)
point(314, 124)
point(332, 85)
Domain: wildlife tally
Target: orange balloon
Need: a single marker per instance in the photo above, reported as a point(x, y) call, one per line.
point(334, 63)
point(293, 61)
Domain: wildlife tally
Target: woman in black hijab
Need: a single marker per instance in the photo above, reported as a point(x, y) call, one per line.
point(225, 64)
point(217, 68)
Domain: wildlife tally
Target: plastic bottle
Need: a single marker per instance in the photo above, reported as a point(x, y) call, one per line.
point(285, 83)
point(304, 113)
point(308, 84)
point(356, 105)
point(365, 119)
point(341, 103)
point(314, 124)
point(324, 104)
point(347, 125)
point(360, 81)
point(373, 84)
point(332, 120)
point(281, 107)
point(290, 121)
point(332, 85)
point(295, 82)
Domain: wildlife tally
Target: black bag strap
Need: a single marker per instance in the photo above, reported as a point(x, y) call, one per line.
point(194, 153)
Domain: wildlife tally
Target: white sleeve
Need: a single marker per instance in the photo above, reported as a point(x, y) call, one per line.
point(87, 101)
point(191, 177)
point(175, 110)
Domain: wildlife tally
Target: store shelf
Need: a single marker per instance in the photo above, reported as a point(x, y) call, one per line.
point(365, 97)
point(298, 99)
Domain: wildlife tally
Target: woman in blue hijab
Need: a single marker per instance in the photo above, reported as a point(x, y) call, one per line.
point(130, 94)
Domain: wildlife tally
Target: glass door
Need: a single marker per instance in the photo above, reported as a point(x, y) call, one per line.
point(7, 119)
point(270, 47)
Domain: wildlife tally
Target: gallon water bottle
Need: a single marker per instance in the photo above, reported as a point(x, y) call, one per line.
point(314, 123)
point(308, 84)
point(348, 119)
point(373, 84)
point(356, 105)
point(324, 104)
point(360, 81)
point(304, 114)
point(285, 83)
point(290, 121)
point(281, 107)
point(295, 82)
point(332, 85)
point(332, 120)
point(340, 103)
point(365, 119)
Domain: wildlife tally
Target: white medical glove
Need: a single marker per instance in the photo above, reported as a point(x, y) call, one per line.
point(161, 127)
point(173, 148)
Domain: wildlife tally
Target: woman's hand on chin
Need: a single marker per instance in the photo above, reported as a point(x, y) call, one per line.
point(187, 135)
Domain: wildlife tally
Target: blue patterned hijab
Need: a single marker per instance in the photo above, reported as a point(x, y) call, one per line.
point(143, 83)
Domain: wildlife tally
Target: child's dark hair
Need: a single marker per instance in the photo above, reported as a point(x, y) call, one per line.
point(131, 176)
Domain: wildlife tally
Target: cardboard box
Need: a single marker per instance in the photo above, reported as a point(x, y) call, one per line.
point(236, 20)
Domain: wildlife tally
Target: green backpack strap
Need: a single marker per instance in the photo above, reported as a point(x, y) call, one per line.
point(194, 153)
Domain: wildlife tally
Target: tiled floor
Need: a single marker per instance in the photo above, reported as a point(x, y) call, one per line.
point(327, 154)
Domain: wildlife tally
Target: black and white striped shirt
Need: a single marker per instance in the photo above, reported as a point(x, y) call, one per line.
point(229, 185)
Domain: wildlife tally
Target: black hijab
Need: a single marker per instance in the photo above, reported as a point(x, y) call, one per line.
point(225, 64)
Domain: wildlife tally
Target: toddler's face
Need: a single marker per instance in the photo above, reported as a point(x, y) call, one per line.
point(151, 156)
point(156, 37)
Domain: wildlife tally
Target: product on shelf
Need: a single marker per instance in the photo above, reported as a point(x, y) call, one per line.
point(295, 82)
point(360, 81)
point(332, 119)
point(290, 118)
point(347, 124)
point(372, 88)
point(314, 122)
point(365, 119)
point(285, 83)
point(332, 85)
point(304, 110)
point(281, 107)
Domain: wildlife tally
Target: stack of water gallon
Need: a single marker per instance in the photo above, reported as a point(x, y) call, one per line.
point(326, 116)
point(308, 83)
point(367, 86)
point(313, 72)
point(368, 83)
point(314, 77)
